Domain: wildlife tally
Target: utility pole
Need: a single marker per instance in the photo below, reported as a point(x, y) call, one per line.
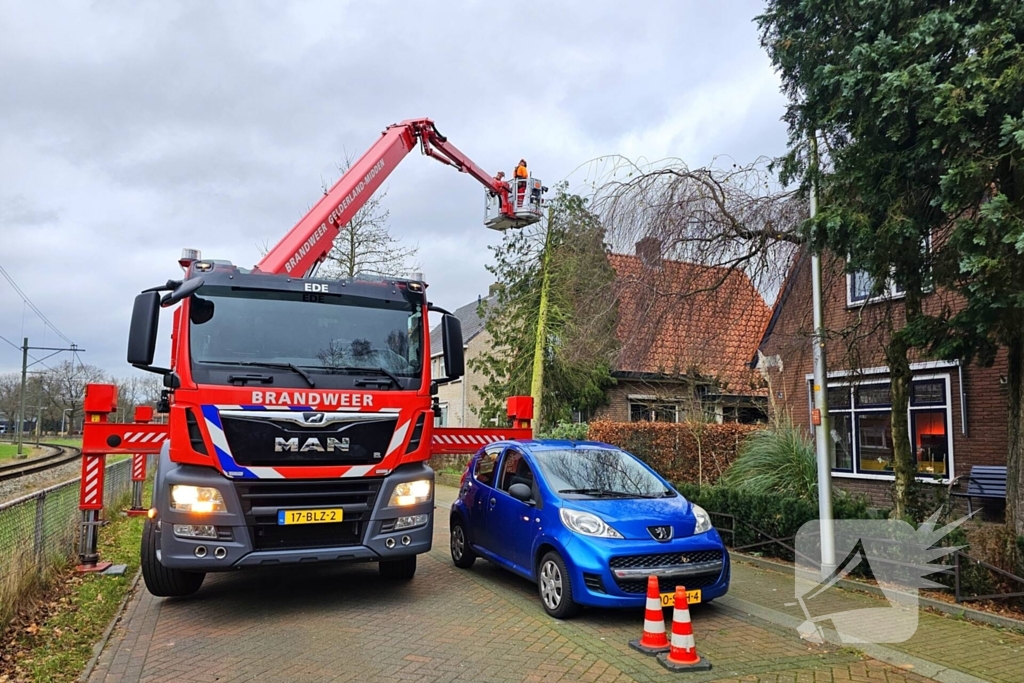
point(537, 380)
point(39, 407)
point(25, 348)
point(21, 411)
point(822, 435)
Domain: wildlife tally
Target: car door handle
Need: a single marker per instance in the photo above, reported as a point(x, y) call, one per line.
point(493, 501)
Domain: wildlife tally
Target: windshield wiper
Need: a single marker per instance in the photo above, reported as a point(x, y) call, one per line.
point(354, 370)
point(268, 364)
point(603, 493)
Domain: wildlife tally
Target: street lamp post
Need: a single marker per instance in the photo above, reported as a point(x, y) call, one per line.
point(820, 417)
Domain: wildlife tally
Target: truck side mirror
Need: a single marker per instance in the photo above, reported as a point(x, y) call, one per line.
point(451, 344)
point(142, 334)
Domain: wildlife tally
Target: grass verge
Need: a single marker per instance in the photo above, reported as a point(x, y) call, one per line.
point(9, 450)
point(52, 639)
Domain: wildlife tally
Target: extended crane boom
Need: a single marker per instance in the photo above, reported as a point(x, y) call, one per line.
point(309, 242)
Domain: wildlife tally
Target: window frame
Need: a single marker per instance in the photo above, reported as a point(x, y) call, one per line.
point(653, 406)
point(510, 452)
point(488, 452)
point(851, 382)
point(891, 291)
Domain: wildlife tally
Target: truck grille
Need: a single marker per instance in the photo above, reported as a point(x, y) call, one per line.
point(262, 500)
point(259, 439)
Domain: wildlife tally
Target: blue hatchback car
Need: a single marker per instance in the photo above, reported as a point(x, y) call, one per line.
point(588, 522)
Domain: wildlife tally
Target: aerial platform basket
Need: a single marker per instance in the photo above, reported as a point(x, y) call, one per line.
point(526, 199)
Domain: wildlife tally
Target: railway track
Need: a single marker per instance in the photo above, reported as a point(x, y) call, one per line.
point(64, 454)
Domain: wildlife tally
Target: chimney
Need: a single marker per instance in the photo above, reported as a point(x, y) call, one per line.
point(648, 250)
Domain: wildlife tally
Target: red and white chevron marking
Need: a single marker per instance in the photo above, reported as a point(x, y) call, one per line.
point(139, 467)
point(467, 439)
point(144, 437)
point(91, 497)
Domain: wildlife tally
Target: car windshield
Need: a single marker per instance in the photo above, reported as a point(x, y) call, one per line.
point(334, 334)
point(598, 473)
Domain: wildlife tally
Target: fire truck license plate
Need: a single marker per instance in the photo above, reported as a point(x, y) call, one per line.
point(320, 516)
point(669, 599)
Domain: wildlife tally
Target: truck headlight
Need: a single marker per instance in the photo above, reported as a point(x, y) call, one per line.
point(587, 524)
point(703, 519)
point(411, 493)
point(197, 499)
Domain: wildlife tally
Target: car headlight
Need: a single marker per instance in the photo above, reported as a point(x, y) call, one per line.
point(703, 519)
point(197, 499)
point(587, 524)
point(411, 493)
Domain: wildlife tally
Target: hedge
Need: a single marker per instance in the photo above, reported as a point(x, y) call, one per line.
point(778, 516)
point(678, 451)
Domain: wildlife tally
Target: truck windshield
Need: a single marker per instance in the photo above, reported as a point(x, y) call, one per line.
point(324, 335)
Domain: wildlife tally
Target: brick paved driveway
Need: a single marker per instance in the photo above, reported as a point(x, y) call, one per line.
point(346, 624)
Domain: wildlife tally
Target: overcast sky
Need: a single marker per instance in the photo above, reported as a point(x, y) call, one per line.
point(129, 130)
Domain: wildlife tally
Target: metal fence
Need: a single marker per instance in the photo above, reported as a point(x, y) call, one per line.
point(38, 532)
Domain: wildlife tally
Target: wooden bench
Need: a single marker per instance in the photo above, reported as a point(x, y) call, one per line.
point(984, 481)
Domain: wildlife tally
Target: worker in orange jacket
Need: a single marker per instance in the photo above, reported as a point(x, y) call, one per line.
point(521, 174)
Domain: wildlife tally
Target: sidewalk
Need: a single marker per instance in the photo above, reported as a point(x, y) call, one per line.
point(987, 652)
point(944, 647)
point(345, 623)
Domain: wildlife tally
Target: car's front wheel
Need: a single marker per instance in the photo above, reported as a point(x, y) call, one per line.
point(462, 555)
point(555, 587)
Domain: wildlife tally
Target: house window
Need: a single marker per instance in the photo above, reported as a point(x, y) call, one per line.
point(860, 287)
point(644, 411)
point(748, 415)
point(860, 418)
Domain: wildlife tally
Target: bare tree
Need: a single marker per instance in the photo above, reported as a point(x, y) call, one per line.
point(134, 391)
point(64, 385)
point(365, 244)
point(706, 239)
point(10, 397)
point(735, 218)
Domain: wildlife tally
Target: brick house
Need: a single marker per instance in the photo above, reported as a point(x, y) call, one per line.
point(685, 355)
point(957, 414)
point(680, 356)
point(458, 399)
point(688, 334)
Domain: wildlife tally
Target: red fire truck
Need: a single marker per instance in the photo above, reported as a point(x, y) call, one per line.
point(300, 410)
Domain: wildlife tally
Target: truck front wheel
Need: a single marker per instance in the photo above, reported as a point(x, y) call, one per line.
point(402, 569)
point(160, 580)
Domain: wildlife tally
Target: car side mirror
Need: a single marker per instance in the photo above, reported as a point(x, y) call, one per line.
point(521, 492)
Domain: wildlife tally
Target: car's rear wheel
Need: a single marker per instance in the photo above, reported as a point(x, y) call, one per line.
point(555, 587)
point(462, 555)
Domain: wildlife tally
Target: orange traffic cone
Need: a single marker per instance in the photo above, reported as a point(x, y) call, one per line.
point(653, 640)
point(682, 654)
